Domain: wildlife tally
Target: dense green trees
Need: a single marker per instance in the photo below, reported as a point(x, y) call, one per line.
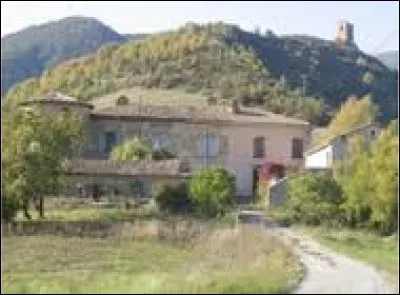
point(313, 199)
point(34, 151)
point(362, 192)
point(370, 182)
point(225, 62)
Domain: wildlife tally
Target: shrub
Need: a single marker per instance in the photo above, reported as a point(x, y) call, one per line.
point(211, 190)
point(172, 198)
point(312, 199)
point(131, 149)
point(162, 154)
point(9, 208)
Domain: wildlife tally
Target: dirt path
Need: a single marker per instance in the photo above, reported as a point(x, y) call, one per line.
point(328, 272)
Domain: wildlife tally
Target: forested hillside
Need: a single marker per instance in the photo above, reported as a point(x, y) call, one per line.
point(224, 61)
point(26, 53)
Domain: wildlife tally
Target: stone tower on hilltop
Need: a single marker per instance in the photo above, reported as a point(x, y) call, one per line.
point(344, 33)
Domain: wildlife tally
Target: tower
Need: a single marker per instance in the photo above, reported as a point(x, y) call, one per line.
point(344, 33)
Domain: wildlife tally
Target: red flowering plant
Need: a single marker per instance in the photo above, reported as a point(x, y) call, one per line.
point(267, 170)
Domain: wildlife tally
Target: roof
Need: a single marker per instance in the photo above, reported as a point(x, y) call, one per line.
point(347, 132)
point(198, 111)
point(193, 114)
point(57, 98)
point(163, 112)
point(162, 168)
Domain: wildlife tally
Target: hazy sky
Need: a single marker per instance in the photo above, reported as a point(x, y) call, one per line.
point(376, 23)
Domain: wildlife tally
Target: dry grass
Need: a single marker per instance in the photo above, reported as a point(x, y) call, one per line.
point(217, 259)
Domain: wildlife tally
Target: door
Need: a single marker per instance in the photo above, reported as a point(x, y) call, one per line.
point(255, 180)
point(110, 140)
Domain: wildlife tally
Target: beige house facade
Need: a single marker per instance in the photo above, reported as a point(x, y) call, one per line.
point(236, 138)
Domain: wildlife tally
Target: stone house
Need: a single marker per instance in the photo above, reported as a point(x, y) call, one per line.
point(237, 138)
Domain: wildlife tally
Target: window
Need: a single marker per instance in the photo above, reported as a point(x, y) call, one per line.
point(209, 145)
point(373, 133)
point(94, 145)
point(297, 148)
point(110, 140)
point(161, 141)
point(258, 147)
point(137, 187)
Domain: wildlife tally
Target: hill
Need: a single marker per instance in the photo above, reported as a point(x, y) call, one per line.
point(27, 52)
point(223, 61)
point(390, 59)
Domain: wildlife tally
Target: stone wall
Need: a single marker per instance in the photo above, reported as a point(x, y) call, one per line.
point(278, 194)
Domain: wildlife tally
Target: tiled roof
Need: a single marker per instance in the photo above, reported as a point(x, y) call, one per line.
point(196, 113)
point(172, 168)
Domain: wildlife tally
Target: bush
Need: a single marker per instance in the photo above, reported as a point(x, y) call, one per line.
point(131, 149)
point(172, 198)
point(162, 154)
point(9, 208)
point(312, 199)
point(211, 190)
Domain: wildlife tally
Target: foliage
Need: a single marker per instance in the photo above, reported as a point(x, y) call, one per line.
point(224, 61)
point(9, 207)
point(34, 150)
point(212, 190)
point(172, 198)
point(28, 52)
point(131, 149)
point(312, 199)
point(355, 178)
point(139, 149)
point(369, 178)
point(261, 192)
point(161, 154)
point(352, 113)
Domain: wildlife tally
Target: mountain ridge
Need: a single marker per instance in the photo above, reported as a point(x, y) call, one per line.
point(28, 52)
point(222, 61)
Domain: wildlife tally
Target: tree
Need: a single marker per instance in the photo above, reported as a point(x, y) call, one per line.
point(312, 199)
point(369, 178)
point(34, 152)
point(384, 163)
point(211, 190)
point(352, 113)
point(356, 178)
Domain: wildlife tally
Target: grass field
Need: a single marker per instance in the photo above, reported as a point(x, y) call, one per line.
point(381, 252)
point(221, 261)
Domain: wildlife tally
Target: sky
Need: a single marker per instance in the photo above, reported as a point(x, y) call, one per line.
point(376, 23)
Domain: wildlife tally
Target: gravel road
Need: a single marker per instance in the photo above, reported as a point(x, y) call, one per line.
point(328, 272)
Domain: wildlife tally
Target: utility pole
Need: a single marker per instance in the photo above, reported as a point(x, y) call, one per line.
point(283, 80)
point(140, 117)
